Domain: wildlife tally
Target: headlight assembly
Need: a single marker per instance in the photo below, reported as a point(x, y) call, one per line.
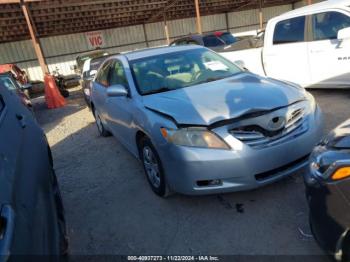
point(329, 165)
point(194, 137)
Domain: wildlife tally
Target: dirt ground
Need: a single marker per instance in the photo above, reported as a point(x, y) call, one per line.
point(111, 209)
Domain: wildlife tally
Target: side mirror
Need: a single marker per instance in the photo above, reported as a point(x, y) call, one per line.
point(241, 64)
point(26, 86)
point(92, 73)
point(117, 90)
point(344, 33)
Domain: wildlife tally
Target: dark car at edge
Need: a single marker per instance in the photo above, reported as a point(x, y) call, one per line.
point(328, 192)
point(32, 218)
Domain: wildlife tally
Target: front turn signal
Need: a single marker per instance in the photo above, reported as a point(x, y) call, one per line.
point(341, 173)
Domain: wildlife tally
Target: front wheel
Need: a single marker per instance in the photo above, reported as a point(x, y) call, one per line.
point(153, 168)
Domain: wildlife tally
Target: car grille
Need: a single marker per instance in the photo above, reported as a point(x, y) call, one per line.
point(256, 136)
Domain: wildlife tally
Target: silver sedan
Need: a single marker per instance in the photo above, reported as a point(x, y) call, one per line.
point(201, 124)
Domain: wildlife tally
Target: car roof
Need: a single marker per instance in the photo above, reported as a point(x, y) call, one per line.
point(159, 51)
point(315, 8)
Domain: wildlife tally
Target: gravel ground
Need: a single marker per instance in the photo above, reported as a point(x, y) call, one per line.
point(110, 208)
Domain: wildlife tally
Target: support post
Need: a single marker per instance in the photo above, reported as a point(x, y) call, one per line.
point(145, 34)
point(166, 31)
point(261, 20)
point(227, 23)
point(35, 41)
point(198, 15)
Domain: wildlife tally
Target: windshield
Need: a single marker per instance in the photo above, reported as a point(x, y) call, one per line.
point(228, 38)
point(212, 41)
point(179, 70)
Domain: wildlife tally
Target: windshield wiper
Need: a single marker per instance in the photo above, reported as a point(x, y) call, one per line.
point(159, 90)
point(211, 79)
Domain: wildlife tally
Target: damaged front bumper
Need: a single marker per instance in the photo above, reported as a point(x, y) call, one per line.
point(195, 171)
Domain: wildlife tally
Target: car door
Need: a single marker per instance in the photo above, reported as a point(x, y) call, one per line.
point(10, 130)
point(99, 88)
point(329, 57)
point(27, 210)
point(120, 108)
point(285, 54)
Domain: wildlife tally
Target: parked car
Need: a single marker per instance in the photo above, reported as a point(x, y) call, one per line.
point(308, 46)
point(328, 192)
point(7, 80)
point(89, 71)
point(31, 211)
point(218, 41)
point(80, 59)
point(201, 124)
point(227, 37)
point(18, 74)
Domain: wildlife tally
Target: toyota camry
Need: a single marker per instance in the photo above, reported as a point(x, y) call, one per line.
point(201, 124)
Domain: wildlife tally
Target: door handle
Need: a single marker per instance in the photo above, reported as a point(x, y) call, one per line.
point(21, 120)
point(7, 225)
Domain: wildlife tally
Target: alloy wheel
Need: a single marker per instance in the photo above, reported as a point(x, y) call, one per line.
point(151, 166)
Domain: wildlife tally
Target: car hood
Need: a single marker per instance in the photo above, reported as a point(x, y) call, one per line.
point(232, 97)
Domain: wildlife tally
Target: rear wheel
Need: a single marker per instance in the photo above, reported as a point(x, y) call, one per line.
point(153, 167)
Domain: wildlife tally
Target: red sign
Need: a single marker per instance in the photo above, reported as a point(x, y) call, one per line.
point(95, 39)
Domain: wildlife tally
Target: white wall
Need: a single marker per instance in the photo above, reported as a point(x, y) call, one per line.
point(60, 51)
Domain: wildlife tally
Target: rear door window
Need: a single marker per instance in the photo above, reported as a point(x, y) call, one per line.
point(326, 25)
point(289, 31)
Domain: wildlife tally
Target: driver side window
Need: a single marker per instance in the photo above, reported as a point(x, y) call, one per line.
point(117, 75)
point(102, 75)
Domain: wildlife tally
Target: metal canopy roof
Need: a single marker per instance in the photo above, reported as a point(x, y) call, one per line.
point(59, 17)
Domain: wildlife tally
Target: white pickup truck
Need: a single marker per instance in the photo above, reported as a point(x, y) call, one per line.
point(309, 46)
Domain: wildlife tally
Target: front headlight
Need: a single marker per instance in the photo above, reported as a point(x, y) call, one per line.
point(195, 137)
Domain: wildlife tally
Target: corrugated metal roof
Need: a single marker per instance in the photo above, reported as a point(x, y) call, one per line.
point(62, 17)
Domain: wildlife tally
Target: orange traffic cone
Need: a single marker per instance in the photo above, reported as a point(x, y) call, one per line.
point(53, 97)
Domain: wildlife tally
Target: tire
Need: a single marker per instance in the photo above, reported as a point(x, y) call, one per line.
point(100, 127)
point(153, 168)
point(64, 92)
